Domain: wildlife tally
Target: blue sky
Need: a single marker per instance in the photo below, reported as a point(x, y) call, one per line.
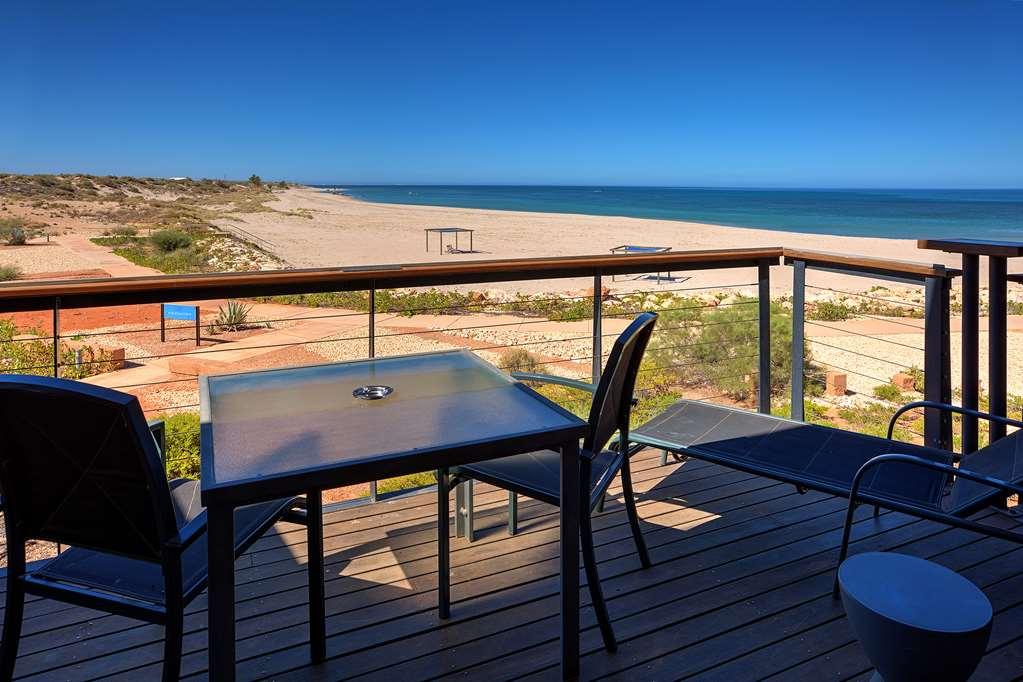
point(718, 93)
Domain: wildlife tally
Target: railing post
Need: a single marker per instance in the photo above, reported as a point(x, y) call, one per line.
point(937, 362)
point(56, 337)
point(373, 352)
point(764, 337)
point(997, 338)
point(598, 353)
point(798, 320)
point(971, 348)
point(373, 320)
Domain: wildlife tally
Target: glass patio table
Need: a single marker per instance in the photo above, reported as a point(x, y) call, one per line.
point(300, 430)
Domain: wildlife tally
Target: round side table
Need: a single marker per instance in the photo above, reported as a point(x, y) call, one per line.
point(916, 620)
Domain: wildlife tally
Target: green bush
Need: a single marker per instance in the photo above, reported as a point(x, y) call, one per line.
point(519, 360)
point(719, 347)
point(828, 311)
point(182, 454)
point(192, 259)
point(35, 355)
point(123, 232)
point(171, 240)
point(9, 272)
point(891, 393)
point(13, 231)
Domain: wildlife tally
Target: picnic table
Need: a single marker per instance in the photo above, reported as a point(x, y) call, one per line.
point(633, 249)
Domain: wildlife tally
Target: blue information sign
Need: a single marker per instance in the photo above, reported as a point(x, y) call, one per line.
point(175, 311)
point(172, 311)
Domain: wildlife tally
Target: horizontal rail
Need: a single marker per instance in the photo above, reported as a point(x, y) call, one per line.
point(86, 293)
point(868, 265)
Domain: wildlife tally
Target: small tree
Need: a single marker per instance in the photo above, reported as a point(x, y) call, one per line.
point(256, 181)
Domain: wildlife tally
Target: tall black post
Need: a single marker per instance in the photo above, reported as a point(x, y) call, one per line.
point(798, 320)
point(971, 348)
point(937, 362)
point(56, 337)
point(764, 337)
point(997, 337)
point(598, 329)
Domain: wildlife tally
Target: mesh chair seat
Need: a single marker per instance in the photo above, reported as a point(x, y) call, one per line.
point(144, 580)
point(536, 474)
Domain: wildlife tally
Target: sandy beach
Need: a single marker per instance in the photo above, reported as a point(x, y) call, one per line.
point(313, 228)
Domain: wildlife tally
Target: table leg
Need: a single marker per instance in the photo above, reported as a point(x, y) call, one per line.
point(997, 333)
point(317, 594)
point(569, 545)
point(443, 550)
point(971, 346)
point(220, 551)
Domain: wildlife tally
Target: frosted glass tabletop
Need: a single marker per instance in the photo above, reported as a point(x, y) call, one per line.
point(276, 423)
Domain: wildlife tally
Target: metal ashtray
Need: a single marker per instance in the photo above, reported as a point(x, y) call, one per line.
point(372, 392)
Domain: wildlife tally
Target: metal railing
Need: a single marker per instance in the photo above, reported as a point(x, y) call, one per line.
point(713, 342)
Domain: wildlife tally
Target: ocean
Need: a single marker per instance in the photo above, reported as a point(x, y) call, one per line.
point(902, 213)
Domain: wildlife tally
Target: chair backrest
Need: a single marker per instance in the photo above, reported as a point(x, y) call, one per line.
point(1001, 460)
point(78, 466)
point(612, 401)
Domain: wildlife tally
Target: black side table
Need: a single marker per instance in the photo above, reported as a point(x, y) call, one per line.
point(916, 620)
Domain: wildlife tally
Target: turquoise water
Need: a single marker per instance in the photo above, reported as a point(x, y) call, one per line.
point(988, 214)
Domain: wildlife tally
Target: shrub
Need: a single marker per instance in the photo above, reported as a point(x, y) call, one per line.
point(171, 240)
point(889, 392)
point(9, 272)
point(718, 347)
point(918, 378)
point(182, 454)
point(829, 311)
point(232, 318)
point(12, 231)
point(519, 360)
point(255, 181)
point(123, 231)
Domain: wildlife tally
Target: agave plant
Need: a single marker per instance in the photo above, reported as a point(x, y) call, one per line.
point(234, 317)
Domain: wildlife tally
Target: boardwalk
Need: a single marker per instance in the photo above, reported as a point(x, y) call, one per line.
point(740, 590)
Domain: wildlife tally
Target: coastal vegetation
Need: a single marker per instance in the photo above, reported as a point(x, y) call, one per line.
point(180, 215)
point(29, 351)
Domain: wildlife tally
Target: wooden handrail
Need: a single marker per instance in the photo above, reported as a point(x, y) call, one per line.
point(84, 293)
point(18, 296)
point(868, 264)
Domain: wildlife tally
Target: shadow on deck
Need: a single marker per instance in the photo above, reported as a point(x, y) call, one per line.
point(740, 590)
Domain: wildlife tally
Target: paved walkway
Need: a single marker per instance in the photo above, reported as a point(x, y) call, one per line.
point(103, 257)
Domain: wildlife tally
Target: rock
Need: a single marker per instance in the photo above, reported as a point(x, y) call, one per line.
point(904, 381)
point(836, 383)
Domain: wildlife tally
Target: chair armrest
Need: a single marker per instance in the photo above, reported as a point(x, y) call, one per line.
point(192, 531)
point(551, 379)
point(946, 407)
point(158, 428)
point(560, 381)
point(914, 460)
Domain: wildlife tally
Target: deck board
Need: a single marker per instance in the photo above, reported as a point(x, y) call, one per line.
point(740, 590)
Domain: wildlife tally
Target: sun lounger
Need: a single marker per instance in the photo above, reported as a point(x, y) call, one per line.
point(899, 476)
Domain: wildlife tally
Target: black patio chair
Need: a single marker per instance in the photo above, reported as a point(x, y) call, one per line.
point(536, 474)
point(79, 466)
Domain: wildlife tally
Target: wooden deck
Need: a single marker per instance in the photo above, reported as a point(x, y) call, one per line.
point(740, 590)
